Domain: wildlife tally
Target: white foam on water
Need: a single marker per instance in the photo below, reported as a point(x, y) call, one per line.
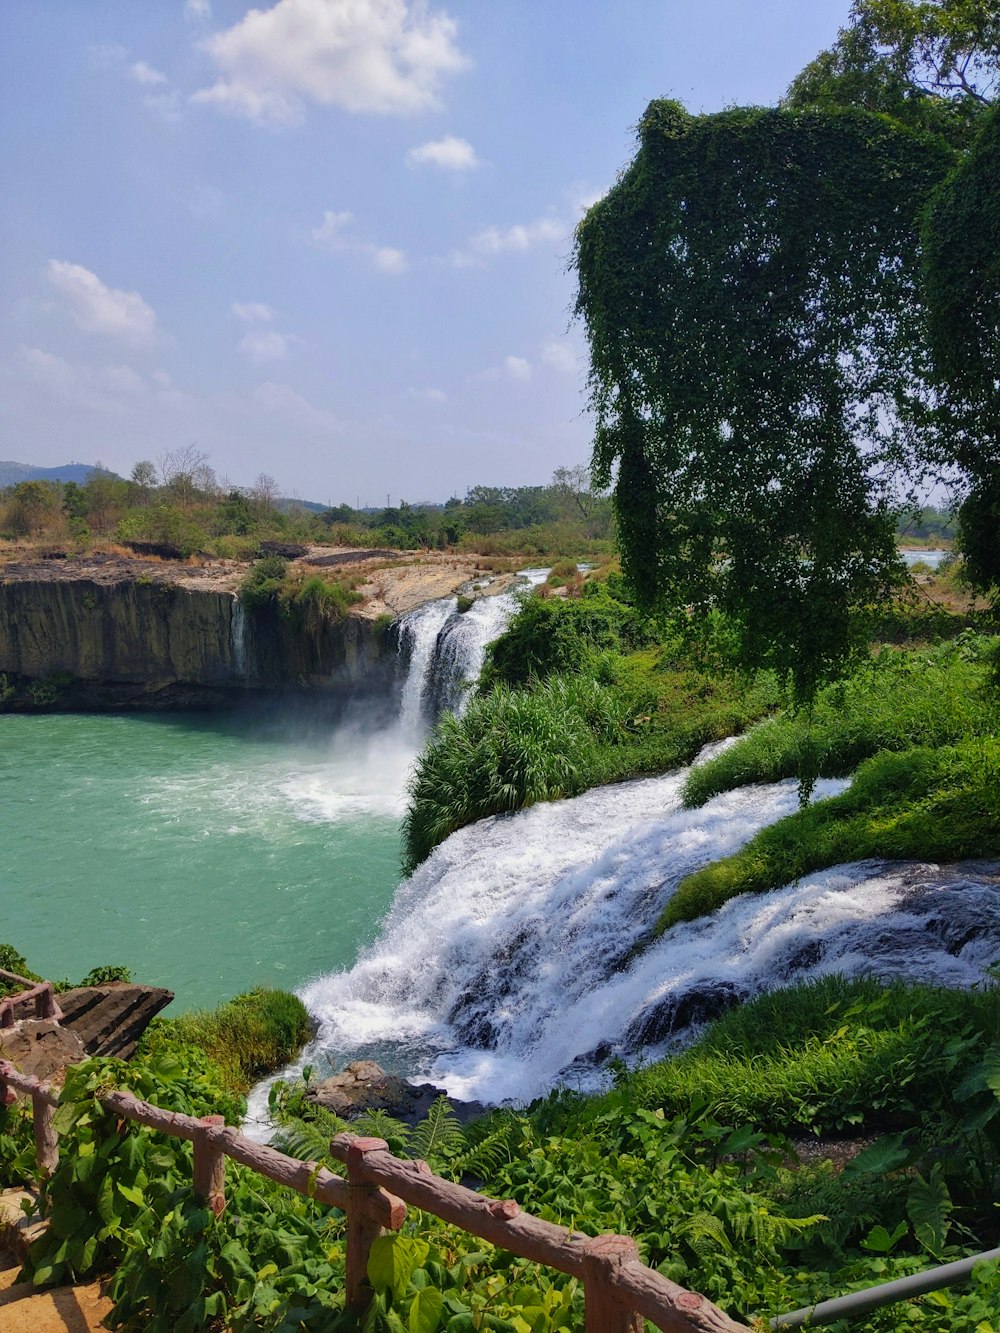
point(510, 960)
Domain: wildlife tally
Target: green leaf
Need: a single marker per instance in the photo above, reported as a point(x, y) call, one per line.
point(880, 1242)
point(133, 1194)
point(929, 1207)
point(991, 1070)
point(392, 1260)
point(884, 1155)
point(425, 1311)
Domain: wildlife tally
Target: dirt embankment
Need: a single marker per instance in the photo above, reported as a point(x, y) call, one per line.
point(390, 583)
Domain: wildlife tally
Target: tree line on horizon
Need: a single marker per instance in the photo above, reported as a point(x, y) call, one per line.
point(181, 506)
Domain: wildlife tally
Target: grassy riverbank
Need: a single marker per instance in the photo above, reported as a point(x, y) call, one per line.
point(583, 691)
point(577, 693)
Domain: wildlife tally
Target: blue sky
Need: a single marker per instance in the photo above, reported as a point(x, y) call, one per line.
point(327, 240)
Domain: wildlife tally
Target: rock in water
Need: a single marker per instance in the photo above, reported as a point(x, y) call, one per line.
point(364, 1086)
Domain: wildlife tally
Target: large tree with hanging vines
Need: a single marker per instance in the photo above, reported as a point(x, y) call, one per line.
point(751, 289)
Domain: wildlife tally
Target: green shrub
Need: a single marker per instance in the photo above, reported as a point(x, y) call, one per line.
point(12, 961)
point(550, 636)
point(249, 1037)
point(317, 600)
point(164, 524)
point(262, 582)
point(898, 700)
point(109, 972)
point(923, 804)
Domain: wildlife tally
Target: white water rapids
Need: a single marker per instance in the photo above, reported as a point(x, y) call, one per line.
point(519, 956)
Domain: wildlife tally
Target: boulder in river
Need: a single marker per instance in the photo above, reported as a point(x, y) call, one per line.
point(365, 1086)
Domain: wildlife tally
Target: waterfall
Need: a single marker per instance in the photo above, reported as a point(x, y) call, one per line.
point(446, 649)
point(239, 639)
point(418, 634)
point(509, 960)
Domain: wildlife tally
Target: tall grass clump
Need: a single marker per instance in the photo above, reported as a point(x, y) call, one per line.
point(827, 1055)
point(896, 701)
point(248, 1037)
point(510, 749)
point(924, 804)
point(622, 716)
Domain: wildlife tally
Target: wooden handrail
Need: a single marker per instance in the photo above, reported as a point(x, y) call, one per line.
point(41, 992)
point(619, 1289)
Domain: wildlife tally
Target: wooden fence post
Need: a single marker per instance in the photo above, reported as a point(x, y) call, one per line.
point(45, 1005)
point(46, 1143)
point(362, 1227)
point(605, 1312)
point(210, 1165)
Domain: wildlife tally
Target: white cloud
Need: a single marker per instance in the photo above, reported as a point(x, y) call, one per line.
point(197, 9)
point(386, 258)
point(429, 395)
point(518, 238)
point(449, 154)
point(260, 345)
point(560, 356)
point(107, 389)
point(285, 402)
point(252, 312)
point(383, 56)
point(334, 235)
point(517, 368)
point(97, 308)
point(145, 74)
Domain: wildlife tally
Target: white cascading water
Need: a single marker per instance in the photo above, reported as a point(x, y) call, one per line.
point(519, 954)
point(446, 648)
point(239, 631)
point(506, 962)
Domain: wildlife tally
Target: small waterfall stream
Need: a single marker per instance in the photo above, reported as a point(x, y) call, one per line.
point(445, 649)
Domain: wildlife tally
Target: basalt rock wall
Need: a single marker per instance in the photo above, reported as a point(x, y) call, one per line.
point(146, 642)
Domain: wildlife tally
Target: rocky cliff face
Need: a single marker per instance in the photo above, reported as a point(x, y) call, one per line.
point(128, 637)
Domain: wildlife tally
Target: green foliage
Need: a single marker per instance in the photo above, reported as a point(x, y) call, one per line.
point(248, 1037)
point(832, 1055)
point(961, 242)
point(915, 62)
point(551, 636)
point(7, 691)
point(108, 972)
point(165, 524)
point(895, 701)
point(750, 289)
point(262, 582)
point(317, 600)
point(13, 961)
point(121, 1196)
point(924, 804)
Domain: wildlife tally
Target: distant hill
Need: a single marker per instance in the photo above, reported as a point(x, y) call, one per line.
point(12, 473)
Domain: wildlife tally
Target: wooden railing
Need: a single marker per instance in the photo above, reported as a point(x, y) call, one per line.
point(620, 1291)
point(41, 992)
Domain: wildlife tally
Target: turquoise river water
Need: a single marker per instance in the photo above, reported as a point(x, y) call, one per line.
point(208, 855)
